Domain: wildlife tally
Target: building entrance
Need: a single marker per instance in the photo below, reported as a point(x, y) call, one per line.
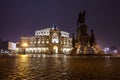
point(55, 49)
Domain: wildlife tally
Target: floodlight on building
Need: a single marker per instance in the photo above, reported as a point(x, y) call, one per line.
point(25, 44)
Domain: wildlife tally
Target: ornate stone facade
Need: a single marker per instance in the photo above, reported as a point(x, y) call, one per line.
point(49, 40)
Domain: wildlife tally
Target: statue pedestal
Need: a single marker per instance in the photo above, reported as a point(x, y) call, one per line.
point(73, 51)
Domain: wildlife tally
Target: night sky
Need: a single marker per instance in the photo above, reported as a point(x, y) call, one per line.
point(23, 17)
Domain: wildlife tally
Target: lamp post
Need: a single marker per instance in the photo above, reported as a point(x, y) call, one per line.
point(24, 45)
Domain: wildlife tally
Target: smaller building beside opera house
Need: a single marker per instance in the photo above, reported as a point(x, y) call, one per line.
point(48, 41)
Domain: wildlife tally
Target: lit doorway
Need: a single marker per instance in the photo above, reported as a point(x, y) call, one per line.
point(55, 49)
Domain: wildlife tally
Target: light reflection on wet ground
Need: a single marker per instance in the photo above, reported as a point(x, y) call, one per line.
point(52, 67)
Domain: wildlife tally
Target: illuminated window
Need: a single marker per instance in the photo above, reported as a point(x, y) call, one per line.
point(34, 42)
point(38, 42)
point(68, 42)
point(64, 42)
point(43, 41)
point(61, 42)
point(31, 42)
point(47, 42)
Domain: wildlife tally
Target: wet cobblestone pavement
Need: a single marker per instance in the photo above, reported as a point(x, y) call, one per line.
point(59, 68)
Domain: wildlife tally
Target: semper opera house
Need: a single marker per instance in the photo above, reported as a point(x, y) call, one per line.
point(48, 40)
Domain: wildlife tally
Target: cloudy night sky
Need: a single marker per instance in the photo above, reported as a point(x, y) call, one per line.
point(23, 17)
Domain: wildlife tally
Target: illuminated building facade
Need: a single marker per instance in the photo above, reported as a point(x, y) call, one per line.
point(49, 40)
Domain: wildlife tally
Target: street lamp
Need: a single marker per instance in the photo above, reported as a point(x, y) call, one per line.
point(24, 45)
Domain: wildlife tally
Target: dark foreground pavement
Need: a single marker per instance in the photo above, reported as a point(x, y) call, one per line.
point(59, 68)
